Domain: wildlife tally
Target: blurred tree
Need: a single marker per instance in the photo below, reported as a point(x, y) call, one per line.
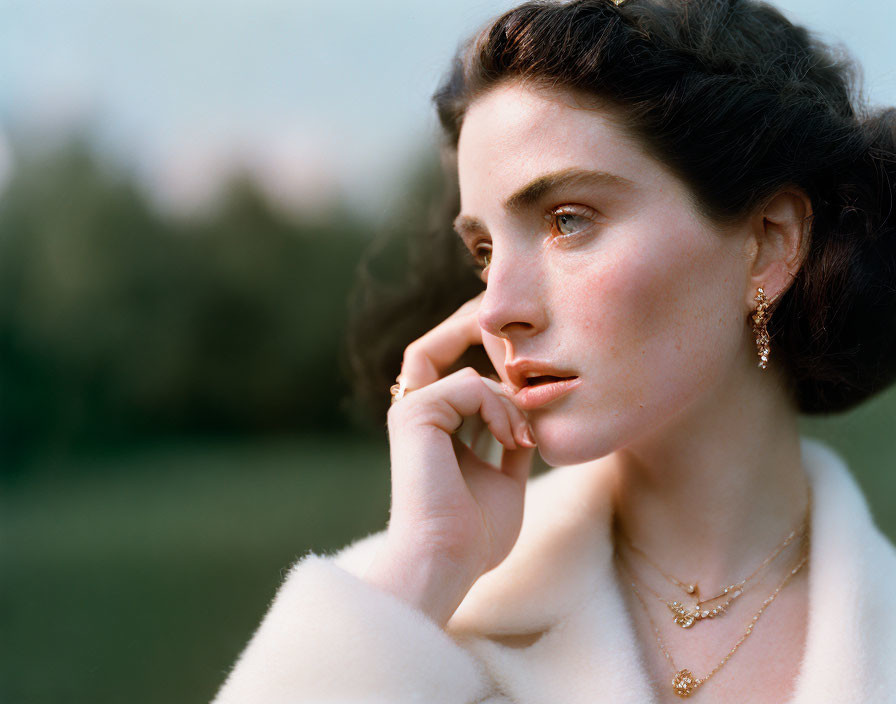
point(117, 323)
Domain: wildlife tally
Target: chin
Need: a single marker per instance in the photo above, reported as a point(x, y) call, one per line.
point(559, 447)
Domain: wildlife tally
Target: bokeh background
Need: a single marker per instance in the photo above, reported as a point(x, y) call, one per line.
point(186, 190)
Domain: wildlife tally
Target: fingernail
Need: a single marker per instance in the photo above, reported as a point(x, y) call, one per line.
point(528, 436)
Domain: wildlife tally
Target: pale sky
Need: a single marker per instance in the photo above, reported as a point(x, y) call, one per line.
point(315, 96)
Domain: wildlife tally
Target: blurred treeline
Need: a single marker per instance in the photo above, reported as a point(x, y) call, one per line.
point(119, 323)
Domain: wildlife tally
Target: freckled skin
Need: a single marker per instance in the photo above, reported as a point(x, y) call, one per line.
point(646, 307)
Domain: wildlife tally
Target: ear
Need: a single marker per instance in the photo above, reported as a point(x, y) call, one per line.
point(778, 243)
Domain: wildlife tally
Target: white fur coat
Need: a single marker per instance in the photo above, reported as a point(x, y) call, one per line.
point(329, 637)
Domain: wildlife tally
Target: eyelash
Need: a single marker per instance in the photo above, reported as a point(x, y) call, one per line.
point(581, 211)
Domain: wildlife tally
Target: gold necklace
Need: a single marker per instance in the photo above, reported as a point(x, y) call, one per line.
point(683, 682)
point(687, 617)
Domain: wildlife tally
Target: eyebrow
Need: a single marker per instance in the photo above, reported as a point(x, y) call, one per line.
point(539, 188)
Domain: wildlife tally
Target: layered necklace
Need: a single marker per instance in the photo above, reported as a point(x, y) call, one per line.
point(684, 683)
point(686, 616)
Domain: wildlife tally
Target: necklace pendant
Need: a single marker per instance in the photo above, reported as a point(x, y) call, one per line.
point(682, 615)
point(684, 683)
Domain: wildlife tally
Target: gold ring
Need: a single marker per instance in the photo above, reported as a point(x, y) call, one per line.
point(399, 390)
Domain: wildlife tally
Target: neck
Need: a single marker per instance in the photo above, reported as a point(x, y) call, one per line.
point(709, 495)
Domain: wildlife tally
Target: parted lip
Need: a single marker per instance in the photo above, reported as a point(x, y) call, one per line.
point(521, 369)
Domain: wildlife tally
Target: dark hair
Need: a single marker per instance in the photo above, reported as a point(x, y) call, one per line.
point(739, 103)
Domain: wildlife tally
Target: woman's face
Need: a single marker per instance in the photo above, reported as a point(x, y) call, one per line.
point(600, 268)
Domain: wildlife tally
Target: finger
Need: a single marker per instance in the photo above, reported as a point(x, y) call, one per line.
point(426, 358)
point(515, 422)
point(462, 394)
point(496, 416)
point(518, 420)
point(467, 457)
point(517, 464)
point(471, 430)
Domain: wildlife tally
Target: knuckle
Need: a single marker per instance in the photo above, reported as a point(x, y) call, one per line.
point(413, 412)
point(410, 351)
point(470, 374)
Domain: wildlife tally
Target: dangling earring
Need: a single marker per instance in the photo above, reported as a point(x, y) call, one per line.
point(760, 318)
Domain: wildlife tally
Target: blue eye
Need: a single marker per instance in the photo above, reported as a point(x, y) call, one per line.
point(571, 220)
point(565, 219)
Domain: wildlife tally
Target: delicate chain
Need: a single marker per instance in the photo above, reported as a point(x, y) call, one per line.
point(684, 683)
point(686, 618)
point(683, 616)
point(692, 587)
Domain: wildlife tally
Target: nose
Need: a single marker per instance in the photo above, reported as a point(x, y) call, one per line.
point(512, 304)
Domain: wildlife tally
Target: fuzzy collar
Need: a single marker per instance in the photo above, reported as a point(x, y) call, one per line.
point(559, 578)
point(561, 565)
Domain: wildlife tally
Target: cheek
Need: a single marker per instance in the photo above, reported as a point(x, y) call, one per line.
point(653, 329)
point(663, 319)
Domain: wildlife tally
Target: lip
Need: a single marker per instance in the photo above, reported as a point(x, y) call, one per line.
point(519, 370)
point(531, 397)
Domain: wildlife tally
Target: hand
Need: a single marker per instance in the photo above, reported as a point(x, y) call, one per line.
point(454, 516)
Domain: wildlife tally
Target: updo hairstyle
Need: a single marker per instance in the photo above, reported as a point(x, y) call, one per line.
point(739, 103)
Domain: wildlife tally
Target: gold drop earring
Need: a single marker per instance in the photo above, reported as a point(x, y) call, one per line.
point(760, 318)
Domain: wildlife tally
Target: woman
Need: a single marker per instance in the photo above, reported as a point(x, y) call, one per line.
point(686, 234)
